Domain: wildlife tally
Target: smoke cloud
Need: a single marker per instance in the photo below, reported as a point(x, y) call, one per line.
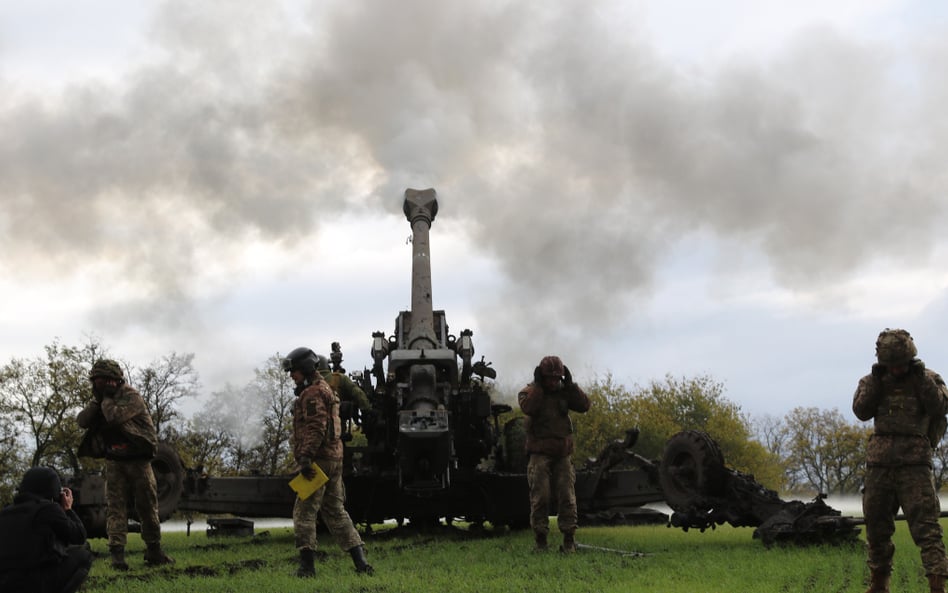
point(572, 152)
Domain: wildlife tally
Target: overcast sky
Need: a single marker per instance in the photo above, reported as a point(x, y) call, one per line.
point(748, 190)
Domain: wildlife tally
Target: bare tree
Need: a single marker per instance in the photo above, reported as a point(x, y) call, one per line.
point(275, 389)
point(163, 383)
point(236, 415)
point(774, 435)
point(246, 429)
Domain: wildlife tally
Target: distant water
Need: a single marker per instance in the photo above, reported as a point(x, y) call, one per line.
point(850, 506)
point(200, 525)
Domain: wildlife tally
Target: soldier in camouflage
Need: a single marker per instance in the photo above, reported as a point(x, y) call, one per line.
point(907, 403)
point(342, 386)
point(316, 438)
point(550, 473)
point(120, 429)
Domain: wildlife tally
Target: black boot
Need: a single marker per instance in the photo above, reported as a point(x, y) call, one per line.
point(155, 556)
point(307, 568)
point(878, 581)
point(569, 543)
point(358, 559)
point(118, 557)
point(539, 542)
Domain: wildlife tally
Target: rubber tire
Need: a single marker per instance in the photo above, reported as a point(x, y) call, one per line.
point(169, 475)
point(692, 471)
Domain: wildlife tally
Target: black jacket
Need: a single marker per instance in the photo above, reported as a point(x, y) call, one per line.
point(36, 532)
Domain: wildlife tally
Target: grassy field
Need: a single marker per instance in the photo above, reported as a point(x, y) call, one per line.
point(726, 560)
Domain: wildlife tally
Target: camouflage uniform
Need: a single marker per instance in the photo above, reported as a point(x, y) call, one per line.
point(549, 444)
point(316, 437)
point(127, 439)
point(119, 428)
point(906, 408)
point(346, 390)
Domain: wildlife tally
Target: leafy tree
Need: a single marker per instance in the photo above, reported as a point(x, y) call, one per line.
point(608, 418)
point(662, 409)
point(11, 460)
point(203, 443)
point(163, 383)
point(826, 453)
point(42, 396)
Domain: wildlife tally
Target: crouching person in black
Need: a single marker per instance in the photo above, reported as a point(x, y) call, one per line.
point(43, 546)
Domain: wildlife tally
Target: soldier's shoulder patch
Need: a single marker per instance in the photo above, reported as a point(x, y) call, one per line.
point(311, 407)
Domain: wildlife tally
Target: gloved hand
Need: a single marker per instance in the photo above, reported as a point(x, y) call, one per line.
point(306, 468)
point(567, 376)
point(879, 370)
point(537, 377)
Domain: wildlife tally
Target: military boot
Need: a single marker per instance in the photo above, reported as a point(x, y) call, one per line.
point(569, 543)
point(118, 557)
point(540, 542)
point(154, 556)
point(936, 582)
point(358, 559)
point(307, 568)
point(878, 582)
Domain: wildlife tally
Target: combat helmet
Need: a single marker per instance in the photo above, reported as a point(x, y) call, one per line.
point(895, 347)
point(322, 363)
point(301, 359)
point(108, 369)
point(551, 366)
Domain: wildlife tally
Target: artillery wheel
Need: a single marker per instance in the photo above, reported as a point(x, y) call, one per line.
point(692, 471)
point(169, 476)
point(515, 450)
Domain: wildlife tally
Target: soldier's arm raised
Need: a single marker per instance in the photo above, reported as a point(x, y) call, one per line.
point(577, 398)
point(123, 407)
point(866, 398)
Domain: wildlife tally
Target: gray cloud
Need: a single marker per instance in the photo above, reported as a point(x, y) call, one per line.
point(573, 152)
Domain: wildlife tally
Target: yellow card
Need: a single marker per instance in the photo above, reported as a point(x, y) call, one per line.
point(304, 488)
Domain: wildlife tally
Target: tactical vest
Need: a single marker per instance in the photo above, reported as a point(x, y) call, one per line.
point(901, 427)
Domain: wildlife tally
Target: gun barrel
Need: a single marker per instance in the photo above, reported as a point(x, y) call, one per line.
point(420, 208)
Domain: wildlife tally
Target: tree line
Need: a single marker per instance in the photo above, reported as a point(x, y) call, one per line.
point(806, 452)
point(244, 430)
point(239, 430)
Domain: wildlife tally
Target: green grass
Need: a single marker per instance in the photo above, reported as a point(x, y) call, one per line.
point(725, 560)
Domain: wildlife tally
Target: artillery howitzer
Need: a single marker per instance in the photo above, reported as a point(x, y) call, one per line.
point(436, 449)
point(704, 493)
